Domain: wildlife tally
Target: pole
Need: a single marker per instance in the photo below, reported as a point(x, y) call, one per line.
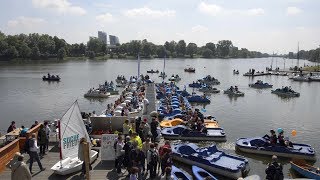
point(86, 159)
point(60, 148)
point(138, 67)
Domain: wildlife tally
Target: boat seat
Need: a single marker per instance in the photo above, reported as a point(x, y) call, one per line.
point(216, 156)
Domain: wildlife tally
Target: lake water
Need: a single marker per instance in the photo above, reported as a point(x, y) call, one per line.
point(24, 97)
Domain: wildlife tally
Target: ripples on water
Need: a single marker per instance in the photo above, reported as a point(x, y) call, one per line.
point(24, 97)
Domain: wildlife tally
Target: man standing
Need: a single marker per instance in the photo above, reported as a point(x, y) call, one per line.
point(274, 170)
point(33, 153)
point(154, 126)
point(153, 160)
point(119, 153)
point(42, 137)
point(48, 131)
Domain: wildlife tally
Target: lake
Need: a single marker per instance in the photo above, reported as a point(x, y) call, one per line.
point(24, 97)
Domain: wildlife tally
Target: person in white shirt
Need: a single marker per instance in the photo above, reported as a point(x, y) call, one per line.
point(119, 153)
point(33, 152)
point(48, 131)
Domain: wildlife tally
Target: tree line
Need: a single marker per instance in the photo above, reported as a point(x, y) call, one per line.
point(311, 55)
point(43, 46)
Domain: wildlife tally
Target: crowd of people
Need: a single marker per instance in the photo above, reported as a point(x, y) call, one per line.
point(137, 150)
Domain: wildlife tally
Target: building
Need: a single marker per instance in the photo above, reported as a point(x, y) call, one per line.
point(113, 40)
point(102, 36)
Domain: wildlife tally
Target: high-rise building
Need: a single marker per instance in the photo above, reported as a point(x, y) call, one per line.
point(113, 40)
point(102, 36)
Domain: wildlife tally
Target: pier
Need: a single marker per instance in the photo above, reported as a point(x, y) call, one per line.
point(100, 169)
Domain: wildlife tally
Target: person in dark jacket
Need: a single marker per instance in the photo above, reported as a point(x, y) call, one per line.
point(274, 170)
point(12, 127)
point(154, 125)
point(42, 139)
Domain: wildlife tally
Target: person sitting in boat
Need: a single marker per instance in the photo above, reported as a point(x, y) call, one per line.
point(236, 88)
point(272, 139)
point(53, 77)
point(281, 138)
point(231, 88)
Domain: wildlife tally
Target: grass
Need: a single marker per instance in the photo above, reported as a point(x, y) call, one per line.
point(312, 68)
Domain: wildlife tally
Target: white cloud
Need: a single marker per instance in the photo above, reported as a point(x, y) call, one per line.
point(293, 11)
point(211, 9)
point(102, 5)
point(25, 22)
point(215, 10)
point(147, 12)
point(255, 12)
point(199, 29)
point(105, 18)
point(59, 6)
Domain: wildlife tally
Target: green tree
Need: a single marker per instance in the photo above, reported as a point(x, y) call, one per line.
point(11, 52)
point(61, 53)
point(181, 48)
point(95, 45)
point(191, 49)
point(207, 53)
point(24, 51)
point(162, 52)
point(3, 47)
point(35, 53)
point(170, 46)
point(91, 54)
point(212, 47)
point(224, 47)
point(82, 49)
point(134, 47)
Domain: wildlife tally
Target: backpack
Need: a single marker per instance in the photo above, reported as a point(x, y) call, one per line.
point(274, 172)
point(154, 157)
point(278, 175)
point(26, 147)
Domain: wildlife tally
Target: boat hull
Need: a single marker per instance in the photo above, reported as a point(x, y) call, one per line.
point(193, 138)
point(285, 94)
point(270, 153)
point(260, 86)
point(233, 175)
point(70, 166)
point(257, 146)
point(200, 173)
point(51, 79)
point(304, 172)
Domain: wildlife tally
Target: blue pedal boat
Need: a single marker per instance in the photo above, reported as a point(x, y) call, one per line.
point(260, 145)
point(178, 174)
point(200, 173)
point(182, 132)
point(211, 159)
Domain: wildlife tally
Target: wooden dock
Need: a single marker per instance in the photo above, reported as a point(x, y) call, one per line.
point(100, 169)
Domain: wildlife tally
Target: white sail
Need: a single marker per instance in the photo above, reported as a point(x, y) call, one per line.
point(72, 129)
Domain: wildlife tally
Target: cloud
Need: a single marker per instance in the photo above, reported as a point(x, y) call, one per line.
point(25, 22)
point(59, 6)
point(199, 29)
point(147, 12)
point(105, 18)
point(215, 10)
point(255, 12)
point(102, 5)
point(293, 11)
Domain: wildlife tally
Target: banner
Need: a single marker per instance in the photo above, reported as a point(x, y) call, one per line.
point(107, 151)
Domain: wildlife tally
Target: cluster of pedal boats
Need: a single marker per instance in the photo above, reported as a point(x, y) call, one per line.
point(103, 91)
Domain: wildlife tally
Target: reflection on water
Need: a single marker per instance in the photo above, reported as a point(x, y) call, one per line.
point(24, 97)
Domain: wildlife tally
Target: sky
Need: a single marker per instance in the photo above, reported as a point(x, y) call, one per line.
point(261, 25)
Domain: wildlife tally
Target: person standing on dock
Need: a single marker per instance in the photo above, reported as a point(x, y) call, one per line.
point(33, 152)
point(12, 127)
point(274, 170)
point(145, 105)
point(20, 170)
point(42, 137)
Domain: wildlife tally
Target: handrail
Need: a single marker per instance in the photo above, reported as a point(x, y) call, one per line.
point(8, 151)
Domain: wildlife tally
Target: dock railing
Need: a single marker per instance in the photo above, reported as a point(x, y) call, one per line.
point(8, 151)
